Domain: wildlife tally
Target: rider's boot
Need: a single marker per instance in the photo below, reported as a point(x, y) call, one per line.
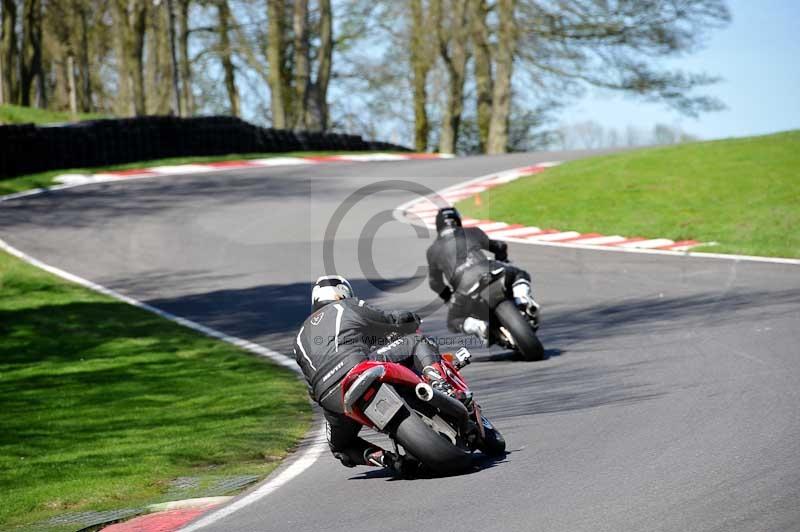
point(477, 328)
point(398, 465)
point(524, 299)
point(438, 382)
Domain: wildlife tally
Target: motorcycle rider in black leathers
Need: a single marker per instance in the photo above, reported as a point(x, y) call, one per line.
point(341, 332)
point(456, 260)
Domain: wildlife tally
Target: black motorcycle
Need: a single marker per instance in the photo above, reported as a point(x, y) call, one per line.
point(509, 326)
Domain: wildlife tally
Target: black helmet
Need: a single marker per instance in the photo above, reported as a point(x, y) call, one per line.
point(447, 218)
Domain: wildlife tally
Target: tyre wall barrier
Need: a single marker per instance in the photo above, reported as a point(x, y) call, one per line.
point(27, 148)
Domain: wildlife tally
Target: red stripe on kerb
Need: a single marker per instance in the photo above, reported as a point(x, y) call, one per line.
point(471, 223)
point(230, 164)
point(580, 237)
point(160, 521)
point(420, 155)
point(139, 171)
point(326, 158)
point(506, 228)
point(627, 240)
point(535, 232)
point(680, 243)
point(535, 169)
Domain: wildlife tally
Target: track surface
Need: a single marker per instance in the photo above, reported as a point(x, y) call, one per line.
point(670, 401)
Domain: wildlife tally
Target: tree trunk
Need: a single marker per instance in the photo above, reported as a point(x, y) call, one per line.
point(84, 62)
point(482, 66)
point(8, 52)
point(153, 74)
point(130, 19)
point(224, 17)
point(504, 64)
point(187, 98)
point(454, 51)
point(73, 89)
point(420, 66)
point(317, 112)
point(123, 105)
point(31, 51)
point(159, 94)
point(301, 66)
point(275, 13)
point(137, 29)
point(173, 60)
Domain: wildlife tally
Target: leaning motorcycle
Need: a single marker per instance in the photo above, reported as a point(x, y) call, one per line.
point(440, 429)
point(509, 326)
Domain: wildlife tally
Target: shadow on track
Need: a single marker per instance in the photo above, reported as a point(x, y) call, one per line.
point(480, 462)
point(266, 313)
point(84, 206)
point(513, 356)
point(628, 317)
point(263, 312)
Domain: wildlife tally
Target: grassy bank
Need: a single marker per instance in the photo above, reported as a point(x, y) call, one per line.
point(104, 405)
point(742, 193)
point(17, 114)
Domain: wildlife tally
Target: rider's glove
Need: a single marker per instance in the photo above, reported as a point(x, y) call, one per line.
point(408, 317)
point(446, 294)
point(501, 253)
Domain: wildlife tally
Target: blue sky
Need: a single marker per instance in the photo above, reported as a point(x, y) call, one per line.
point(758, 57)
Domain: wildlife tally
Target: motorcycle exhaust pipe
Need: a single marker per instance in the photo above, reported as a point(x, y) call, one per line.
point(424, 392)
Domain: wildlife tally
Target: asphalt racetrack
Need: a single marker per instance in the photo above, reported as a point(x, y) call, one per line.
point(670, 401)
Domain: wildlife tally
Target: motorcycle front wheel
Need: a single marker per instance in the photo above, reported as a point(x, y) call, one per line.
point(521, 331)
point(429, 447)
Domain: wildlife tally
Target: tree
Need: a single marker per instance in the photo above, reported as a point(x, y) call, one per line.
point(301, 62)
point(452, 32)
point(185, 68)
point(482, 68)
point(31, 61)
point(130, 18)
point(8, 52)
point(275, 59)
point(616, 45)
point(421, 60)
point(225, 55)
point(317, 112)
point(157, 65)
point(503, 69)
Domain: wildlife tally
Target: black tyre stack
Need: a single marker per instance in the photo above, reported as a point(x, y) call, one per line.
point(26, 149)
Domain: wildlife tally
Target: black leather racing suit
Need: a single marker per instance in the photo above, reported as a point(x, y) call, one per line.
point(456, 261)
point(338, 336)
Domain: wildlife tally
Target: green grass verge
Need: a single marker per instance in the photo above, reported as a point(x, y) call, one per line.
point(17, 114)
point(743, 194)
point(104, 403)
point(45, 179)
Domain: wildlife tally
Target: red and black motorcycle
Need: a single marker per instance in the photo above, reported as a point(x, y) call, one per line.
point(440, 429)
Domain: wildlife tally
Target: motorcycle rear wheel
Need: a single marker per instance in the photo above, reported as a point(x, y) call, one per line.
point(429, 447)
point(527, 343)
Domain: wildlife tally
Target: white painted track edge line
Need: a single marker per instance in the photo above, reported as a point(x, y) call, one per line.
point(316, 447)
point(148, 173)
point(247, 345)
point(400, 215)
point(295, 468)
point(688, 254)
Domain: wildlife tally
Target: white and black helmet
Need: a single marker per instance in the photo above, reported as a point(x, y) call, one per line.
point(330, 288)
